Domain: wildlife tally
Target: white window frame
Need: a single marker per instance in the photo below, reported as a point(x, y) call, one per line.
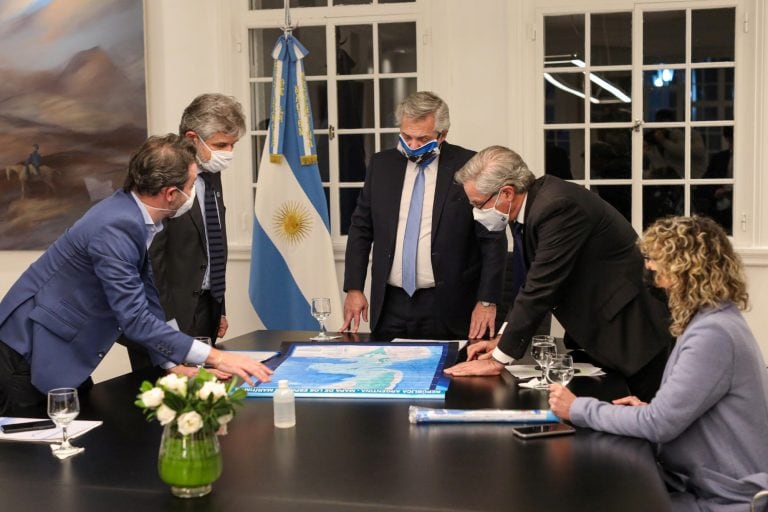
point(750, 101)
point(238, 23)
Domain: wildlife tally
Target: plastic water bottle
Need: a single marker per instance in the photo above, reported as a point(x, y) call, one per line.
point(284, 405)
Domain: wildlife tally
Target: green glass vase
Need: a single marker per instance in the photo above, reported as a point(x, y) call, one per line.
point(189, 464)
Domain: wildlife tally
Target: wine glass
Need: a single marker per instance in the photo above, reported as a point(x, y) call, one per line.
point(543, 349)
point(560, 369)
point(321, 310)
point(63, 408)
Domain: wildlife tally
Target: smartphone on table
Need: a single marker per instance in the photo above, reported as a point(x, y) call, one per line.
point(27, 426)
point(542, 430)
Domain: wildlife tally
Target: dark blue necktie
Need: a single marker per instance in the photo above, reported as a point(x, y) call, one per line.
point(412, 230)
point(217, 267)
point(519, 268)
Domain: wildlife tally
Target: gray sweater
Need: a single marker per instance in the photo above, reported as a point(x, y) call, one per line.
point(710, 415)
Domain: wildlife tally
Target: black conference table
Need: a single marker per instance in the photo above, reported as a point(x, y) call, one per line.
point(344, 455)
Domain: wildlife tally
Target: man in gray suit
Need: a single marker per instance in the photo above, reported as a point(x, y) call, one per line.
point(582, 264)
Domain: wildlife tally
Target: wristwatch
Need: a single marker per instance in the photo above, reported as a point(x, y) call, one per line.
point(486, 304)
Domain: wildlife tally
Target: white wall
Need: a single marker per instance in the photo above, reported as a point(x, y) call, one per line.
point(473, 53)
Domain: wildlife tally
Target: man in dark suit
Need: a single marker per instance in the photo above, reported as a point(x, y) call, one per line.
point(95, 282)
point(436, 274)
point(189, 256)
point(582, 263)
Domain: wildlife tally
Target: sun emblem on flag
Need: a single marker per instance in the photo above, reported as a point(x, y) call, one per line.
point(292, 222)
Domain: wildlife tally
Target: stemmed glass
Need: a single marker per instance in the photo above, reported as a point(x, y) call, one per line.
point(543, 349)
point(321, 310)
point(63, 408)
point(560, 369)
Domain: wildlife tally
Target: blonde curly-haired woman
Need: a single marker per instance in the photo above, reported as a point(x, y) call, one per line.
point(710, 415)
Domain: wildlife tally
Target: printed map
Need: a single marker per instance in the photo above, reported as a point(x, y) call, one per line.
point(367, 370)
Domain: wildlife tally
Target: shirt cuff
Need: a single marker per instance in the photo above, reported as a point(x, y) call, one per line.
point(501, 357)
point(198, 353)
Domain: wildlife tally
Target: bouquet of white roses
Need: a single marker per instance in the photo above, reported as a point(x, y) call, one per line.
point(201, 402)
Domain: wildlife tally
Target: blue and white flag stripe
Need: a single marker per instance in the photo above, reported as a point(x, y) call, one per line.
point(292, 256)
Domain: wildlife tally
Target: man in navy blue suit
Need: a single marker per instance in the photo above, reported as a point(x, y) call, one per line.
point(95, 283)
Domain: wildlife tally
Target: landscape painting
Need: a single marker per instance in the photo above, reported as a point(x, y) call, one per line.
point(72, 111)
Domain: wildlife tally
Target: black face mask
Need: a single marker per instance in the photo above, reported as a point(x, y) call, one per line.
point(649, 279)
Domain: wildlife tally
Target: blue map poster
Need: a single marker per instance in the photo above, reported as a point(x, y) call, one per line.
point(362, 370)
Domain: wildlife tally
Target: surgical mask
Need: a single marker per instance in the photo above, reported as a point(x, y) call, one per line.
point(423, 155)
point(184, 208)
point(491, 218)
point(219, 161)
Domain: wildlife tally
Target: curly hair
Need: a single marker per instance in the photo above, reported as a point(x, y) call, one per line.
point(694, 255)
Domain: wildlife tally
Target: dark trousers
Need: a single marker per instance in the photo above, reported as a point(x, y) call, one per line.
point(411, 317)
point(18, 397)
point(645, 382)
point(205, 322)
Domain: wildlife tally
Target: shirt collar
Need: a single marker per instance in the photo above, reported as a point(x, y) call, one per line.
point(152, 228)
point(521, 214)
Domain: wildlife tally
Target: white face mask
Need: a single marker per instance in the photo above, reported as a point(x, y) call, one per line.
point(219, 161)
point(491, 218)
point(184, 208)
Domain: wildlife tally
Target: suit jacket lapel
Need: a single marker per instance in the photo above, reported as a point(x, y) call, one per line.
point(393, 195)
point(196, 214)
point(445, 170)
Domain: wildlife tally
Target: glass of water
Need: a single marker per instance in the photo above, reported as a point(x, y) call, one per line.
point(63, 408)
point(543, 349)
point(321, 310)
point(560, 370)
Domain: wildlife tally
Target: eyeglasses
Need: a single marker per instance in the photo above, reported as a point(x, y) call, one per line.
point(480, 206)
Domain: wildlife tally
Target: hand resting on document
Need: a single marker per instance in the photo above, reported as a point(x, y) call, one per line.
point(238, 364)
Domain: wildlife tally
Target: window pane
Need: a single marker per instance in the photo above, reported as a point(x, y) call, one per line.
point(396, 1)
point(618, 196)
point(612, 90)
point(355, 99)
point(563, 40)
point(719, 143)
point(713, 35)
point(260, 50)
point(263, 42)
point(256, 5)
point(391, 92)
point(354, 50)
point(309, 3)
point(663, 153)
point(664, 95)
point(612, 39)
point(322, 156)
point(698, 154)
point(397, 47)
point(711, 94)
point(610, 154)
point(261, 99)
point(564, 97)
point(318, 97)
point(351, 2)
point(389, 140)
point(564, 155)
point(348, 200)
point(664, 37)
point(715, 201)
point(355, 152)
point(257, 146)
point(661, 201)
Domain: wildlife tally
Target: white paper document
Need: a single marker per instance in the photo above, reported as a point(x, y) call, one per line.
point(528, 371)
point(50, 435)
point(462, 343)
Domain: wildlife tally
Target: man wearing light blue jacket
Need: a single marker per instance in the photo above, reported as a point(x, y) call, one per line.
point(95, 282)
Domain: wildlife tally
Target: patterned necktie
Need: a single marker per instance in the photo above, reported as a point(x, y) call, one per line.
point(519, 268)
point(217, 261)
point(412, 230)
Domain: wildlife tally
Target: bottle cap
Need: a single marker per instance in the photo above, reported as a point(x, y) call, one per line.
point(282, 383)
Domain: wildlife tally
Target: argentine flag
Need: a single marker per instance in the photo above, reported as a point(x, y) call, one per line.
point(292, 254)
